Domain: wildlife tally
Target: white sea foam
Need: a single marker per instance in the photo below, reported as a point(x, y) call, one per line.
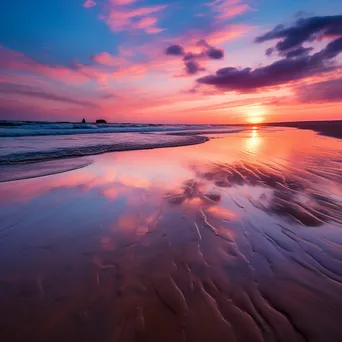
point(28, 149)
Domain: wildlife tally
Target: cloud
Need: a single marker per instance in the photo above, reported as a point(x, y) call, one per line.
point(193, 67)
point(214, 53)
point(279, 72)
point(107, 59)
point(216, 33)
point(122, 2)
point(190, 58)
point(14, 61)
point(298, 52)
point(29, 91)
point(89, 4)
point(332, 49)
point(154, 30)
point(210, 51)
point(175, 50)
point(120, 16)
point(304, 30)
point(226, 9)
point(296, 64)
point(326, 91)
point(130, 64)
point(145, 22)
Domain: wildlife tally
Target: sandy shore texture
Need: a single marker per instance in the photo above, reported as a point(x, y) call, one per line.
point(237, 239)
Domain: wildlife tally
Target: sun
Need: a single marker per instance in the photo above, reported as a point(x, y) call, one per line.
point(255, 114)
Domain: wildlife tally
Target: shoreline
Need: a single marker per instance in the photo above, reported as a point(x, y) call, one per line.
point(51, 165)
point(44, 163)
point(67, 153)
point(331, 129)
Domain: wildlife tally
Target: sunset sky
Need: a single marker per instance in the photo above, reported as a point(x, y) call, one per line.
point(171, 61)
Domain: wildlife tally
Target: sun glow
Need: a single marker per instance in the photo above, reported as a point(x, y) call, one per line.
point(254, 141)
point(255, 114)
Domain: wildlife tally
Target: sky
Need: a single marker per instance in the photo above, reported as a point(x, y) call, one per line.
point(171, 61)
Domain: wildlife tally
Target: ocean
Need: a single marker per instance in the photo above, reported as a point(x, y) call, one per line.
point(24, 142)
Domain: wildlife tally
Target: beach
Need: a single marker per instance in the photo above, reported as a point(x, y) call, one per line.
point(235, 237)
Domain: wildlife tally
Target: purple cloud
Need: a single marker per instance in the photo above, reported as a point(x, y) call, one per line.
point(298, 52)
point(190, 58)
point(327, 91)
point(191, 55)
point(214, 53)
point(304, 30)
point(17, 89)
point(175, 50)
point(279, 72)
point(297, 63)
point(208, 51)
point(193, 67)
point(332, 49)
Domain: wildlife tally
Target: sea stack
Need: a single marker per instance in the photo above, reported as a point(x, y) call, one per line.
point(101, 121)
point(83, 121)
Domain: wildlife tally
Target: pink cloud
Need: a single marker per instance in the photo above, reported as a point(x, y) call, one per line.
point(153, 30)
point(148, 25)
point(133, 71)
point(120, 16)
point(234, 11)
point(89, 3)
point(122, 2)
point(228, 8)
point(125, 18)
point(228, 33)
point(107, 59)
point(80, 74)
point(129, 69)
point(12, 60)
point(217, 37)
point(146, 22)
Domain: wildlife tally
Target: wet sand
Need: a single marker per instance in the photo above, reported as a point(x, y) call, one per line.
point(237, 239)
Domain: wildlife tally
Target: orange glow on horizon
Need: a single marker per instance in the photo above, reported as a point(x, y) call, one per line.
point(256, 114)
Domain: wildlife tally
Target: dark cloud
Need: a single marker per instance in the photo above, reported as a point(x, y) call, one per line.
point(190, 58)
point(332, 49)
point(210, 51)
point(296, 64)
point(175, 50)
point(193, 67)
point(269, 51)
point(214, 53)
point(298, 52)
point(247, 80)
point(327, 91)
point(304, 30)
point(7, 88)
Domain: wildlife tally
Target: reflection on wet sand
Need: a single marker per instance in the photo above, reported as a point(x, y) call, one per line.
point(238, 239)
point(294, 195)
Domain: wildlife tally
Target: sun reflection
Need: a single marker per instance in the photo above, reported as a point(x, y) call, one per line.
point(254, 140)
